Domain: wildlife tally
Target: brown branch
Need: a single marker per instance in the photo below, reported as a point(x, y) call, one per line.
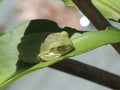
point(89, 72)
point(94, 16)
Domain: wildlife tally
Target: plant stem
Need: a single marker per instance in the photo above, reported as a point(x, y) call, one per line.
point(88, 72)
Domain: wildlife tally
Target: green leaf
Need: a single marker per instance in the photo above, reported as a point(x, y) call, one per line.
point(109, 8)
point(8, 51)
point(1, 33)
point(69, 3)
point(82, 43)
point(1, 1)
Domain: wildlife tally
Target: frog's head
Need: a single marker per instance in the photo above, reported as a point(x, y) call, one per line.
point(55, 45)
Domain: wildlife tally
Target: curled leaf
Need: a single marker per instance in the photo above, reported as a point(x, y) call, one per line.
point(12, 69)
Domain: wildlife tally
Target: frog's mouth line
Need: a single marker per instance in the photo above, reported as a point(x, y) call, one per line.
point(49, 56)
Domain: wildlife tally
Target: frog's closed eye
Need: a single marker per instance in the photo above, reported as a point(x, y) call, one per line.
point(61, 48)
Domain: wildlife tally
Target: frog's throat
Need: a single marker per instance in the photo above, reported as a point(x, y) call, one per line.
point(49, 56)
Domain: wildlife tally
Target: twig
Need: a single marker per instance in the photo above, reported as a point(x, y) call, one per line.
point(89, 72)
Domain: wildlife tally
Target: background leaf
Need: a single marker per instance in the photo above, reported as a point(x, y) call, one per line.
point(109, 8)
point(69, 3)
point(1, 33)
point(1, 1)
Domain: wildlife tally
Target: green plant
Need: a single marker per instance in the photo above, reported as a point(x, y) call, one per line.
point(11, 68)
point(0, 1)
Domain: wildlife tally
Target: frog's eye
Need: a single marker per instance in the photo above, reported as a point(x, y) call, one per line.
point(61, 48)
point(64, 49)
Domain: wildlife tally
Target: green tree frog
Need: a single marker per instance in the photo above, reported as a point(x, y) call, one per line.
point(55, 45)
